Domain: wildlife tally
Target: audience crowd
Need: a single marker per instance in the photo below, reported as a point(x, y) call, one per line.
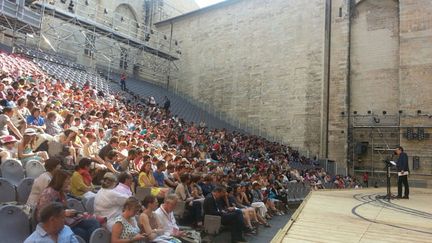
point(111, 145)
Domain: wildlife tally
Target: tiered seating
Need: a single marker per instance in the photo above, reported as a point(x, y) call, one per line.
point(50, 57)
point(72, 74)
point(179, 105)
point(17, 179)
point(18, 65)
point(14, 178)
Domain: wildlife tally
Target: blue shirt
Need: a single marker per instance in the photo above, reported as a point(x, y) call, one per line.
point(41, 236)
point(160, 178)
point(31, 120)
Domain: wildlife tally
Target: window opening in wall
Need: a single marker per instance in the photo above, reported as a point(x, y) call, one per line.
point(340, 12)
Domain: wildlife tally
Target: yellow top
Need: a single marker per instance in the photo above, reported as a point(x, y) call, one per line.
point(78, 187)
point(145, 180)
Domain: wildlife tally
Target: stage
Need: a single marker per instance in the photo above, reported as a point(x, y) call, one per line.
point(357, 216)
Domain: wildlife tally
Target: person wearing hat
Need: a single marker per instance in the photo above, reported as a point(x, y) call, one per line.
point(27, 146)
point(109, 202)
point(9, 148)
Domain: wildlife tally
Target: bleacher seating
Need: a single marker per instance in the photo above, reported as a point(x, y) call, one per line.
point(7, 191)
point(73, 74)
point(15, 187)
point(179, 105)
point(32, 53)
point(75, 204)
point(17, 226)
point(13, 171)
point(34, 168)
point(24, 189)
point(100, 236)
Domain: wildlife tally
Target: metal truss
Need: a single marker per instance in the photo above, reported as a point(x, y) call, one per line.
point(67, 31)
point(19, 20)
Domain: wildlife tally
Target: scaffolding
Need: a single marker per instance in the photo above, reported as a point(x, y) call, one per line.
point(374, 139)
point(102, 38)
point(19, 19)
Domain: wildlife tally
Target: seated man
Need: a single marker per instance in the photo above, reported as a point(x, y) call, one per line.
point(109, 202)
point(231, 217)
point(52, 226)
point(165, 215)
point(125, 184)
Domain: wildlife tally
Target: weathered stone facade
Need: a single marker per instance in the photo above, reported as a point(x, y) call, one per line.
point(254, 62)
point(283, 70)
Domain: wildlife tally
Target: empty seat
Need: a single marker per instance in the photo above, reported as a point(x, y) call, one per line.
point(24, 189)
point(73, 203)
point(89, 205)
point(212, 224)
point(12, 170)
point(100, 235)
point(34, 168)
point(180, 209)
point(80, 240)
point(142, 192)
point(14, 224)
point(7, 191)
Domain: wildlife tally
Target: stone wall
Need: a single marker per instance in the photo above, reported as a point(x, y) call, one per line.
point(375, 57)
point(415, 77)
point(338, 84)
point(258, 62)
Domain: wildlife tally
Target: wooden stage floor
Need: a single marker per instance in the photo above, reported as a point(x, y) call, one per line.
point(357, 216)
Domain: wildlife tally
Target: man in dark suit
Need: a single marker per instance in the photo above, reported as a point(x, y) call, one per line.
point(231, 217)
point(403, 169)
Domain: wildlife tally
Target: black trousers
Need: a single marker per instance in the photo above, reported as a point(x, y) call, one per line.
point(234, 220)
point(123, 85)
point(196, 211)
point(403, 180)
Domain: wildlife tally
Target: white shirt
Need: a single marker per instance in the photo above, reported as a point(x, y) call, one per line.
point(109, 203)
point(39, 184)
point(123, 189)
point(166, 220)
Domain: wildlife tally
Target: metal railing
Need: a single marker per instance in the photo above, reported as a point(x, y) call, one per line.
point(17, 10)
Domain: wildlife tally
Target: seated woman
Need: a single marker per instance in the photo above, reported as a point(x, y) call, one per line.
point(149, 223)
point(52, 127)
point(241, 202)
point(254, 201)
point(56, 192)
point(125, 228)
point(68, 138)
point(146, 179)
point(42, 181)
point(258, 197)
point(229, 201)
point(90, 150)
point(20, 115)
point(9, 148)
point(81, 181)
point(26, 147)
point(194, 205)
point(6, 123)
